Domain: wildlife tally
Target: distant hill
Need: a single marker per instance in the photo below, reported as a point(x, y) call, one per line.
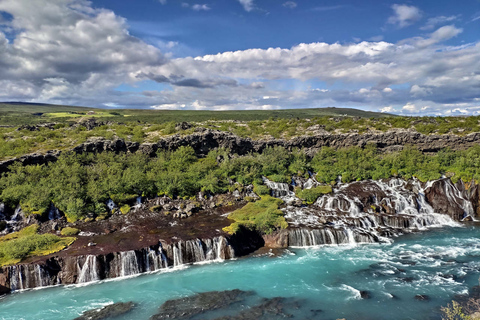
point(15, 113)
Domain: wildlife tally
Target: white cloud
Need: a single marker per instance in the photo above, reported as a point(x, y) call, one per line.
point(435, 21)
point(248, 5)
point(404, 15)
point(387, 90)
point(387, 109)
point(65, 47)
point(163, 1)
point(410, 107)
point(200, 7)
point(442, 34)
point(290, 4)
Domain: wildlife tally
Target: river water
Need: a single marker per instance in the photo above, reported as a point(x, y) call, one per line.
point(323, 282)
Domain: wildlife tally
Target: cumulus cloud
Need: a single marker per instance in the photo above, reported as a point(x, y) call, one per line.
point(404, 15)
point(248, 5)
point(290, 4)
point(63, 47)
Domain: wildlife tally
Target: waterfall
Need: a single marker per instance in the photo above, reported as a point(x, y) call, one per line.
point(89, 270)
point(303, 237)
point(129, 263)
point(366, 211)
point(53, 213)
point(280, 190)
point(16, 278)
point(110, 204)
point(2, 211)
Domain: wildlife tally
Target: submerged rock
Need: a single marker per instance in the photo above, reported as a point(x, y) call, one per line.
point(107, 312)
point(422, 297)
point(185, 308)
point(272, 308)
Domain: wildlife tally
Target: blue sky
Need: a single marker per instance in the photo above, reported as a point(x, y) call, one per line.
point(405, 57)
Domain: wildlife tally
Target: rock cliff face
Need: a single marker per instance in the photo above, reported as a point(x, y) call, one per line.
point(81, 269)
point(205, 140)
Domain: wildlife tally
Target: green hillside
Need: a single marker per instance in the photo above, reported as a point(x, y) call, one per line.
point(25, 113)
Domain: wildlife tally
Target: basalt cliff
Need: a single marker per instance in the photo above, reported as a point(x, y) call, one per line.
point(205, 140)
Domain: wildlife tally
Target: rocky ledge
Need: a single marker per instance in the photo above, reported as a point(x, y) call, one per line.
point(205, 140)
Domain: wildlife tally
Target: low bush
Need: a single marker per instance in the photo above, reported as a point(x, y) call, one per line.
point(262, 215)
point(69, 231)
point(311, 195)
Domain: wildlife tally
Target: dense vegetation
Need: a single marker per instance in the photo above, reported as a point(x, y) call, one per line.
point(262, 215)
point(16, 246)
point(80, 185)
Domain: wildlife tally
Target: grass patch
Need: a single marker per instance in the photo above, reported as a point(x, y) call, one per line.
point(262, 215)
point(69, 231)
point(311, 195)
point(27, 242)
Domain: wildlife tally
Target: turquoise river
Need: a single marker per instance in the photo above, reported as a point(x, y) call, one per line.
point(324, 282)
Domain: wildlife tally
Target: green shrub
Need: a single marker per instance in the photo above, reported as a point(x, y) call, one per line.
point(262, 215)
point(261, 189)
point(311, 195)
point(125, 209)
point(69, 231)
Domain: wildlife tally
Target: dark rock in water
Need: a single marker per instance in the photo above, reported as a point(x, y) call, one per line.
point(107, 312)
point(268, 309)
point(364, 294)
point(422, 297)
point(316, 312)
point(185, 308)
point(407, 279)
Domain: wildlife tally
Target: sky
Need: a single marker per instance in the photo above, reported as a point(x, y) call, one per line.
point(404, 57)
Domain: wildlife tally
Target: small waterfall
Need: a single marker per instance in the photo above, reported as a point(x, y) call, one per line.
point(454, 195)
point(177, 254)
point(280, 190)
point(155, 259)
point(129, 263)
point(89, 270)
point(16, 277)
point(53, 213)
point(110, 204)
point(328, 236)
point(2, 211)
point(138, 203)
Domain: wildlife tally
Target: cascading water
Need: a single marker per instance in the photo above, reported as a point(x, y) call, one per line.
point(367, 211)
point(89, 270)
